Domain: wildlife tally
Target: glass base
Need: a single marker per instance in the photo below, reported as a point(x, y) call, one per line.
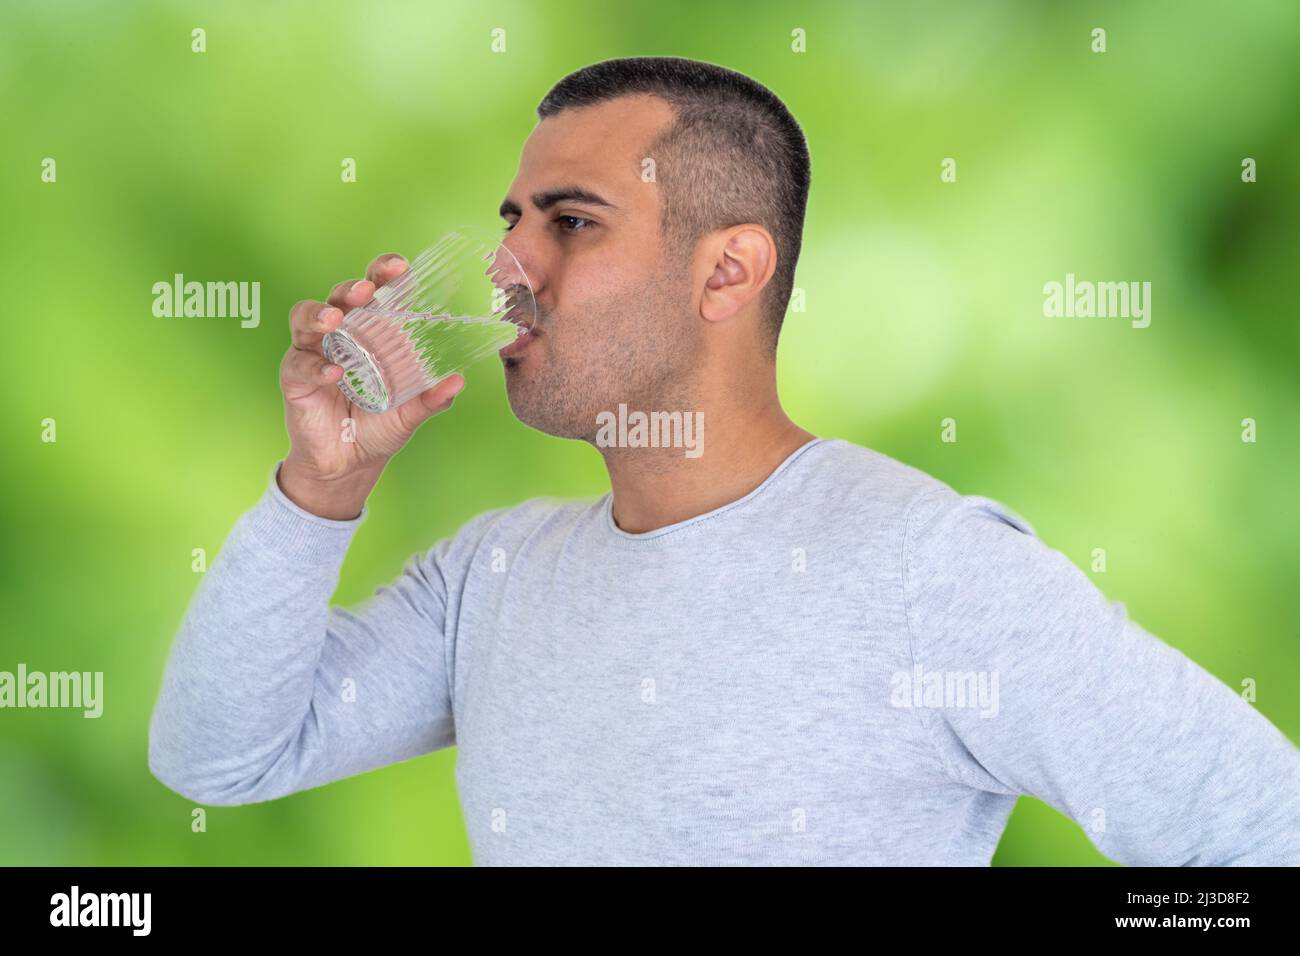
point(362, 381)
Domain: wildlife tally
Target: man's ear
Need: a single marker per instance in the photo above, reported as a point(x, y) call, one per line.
point(742, 260)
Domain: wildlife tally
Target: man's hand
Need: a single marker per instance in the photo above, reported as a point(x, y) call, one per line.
point(323, 473)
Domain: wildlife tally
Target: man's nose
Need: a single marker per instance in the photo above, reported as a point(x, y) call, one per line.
point(525, 256)
point(519, 277)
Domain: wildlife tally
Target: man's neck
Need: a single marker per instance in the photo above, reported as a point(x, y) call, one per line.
point(657, 487)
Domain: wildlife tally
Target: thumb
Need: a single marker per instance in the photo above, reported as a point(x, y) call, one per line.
point(432, 401)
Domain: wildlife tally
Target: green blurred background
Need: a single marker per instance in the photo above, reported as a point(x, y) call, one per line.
point(924, 301)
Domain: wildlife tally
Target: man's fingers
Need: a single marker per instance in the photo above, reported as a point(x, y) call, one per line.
point(354, 292)
point(385, 268)
point(310, 320)
point(309, 368)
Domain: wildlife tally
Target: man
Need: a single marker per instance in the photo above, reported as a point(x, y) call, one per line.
point(786, 649)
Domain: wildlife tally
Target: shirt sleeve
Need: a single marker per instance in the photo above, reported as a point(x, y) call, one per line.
point(1030, 681)
point(269, 690)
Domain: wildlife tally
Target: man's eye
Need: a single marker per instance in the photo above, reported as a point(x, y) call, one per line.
point(560, 219)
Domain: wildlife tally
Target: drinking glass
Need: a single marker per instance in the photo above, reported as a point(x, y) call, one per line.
point(462, 299)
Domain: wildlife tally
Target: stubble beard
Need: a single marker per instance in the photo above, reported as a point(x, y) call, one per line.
point(643, 358)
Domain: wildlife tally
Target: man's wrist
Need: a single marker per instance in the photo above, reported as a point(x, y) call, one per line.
point(339, 499)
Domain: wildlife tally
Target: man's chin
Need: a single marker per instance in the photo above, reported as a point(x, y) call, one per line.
point(537, 409)
point(524, 396)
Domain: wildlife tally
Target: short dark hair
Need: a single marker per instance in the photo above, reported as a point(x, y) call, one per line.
point(733, 154)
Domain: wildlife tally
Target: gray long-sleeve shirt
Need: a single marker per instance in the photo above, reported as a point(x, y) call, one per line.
point(852, 664)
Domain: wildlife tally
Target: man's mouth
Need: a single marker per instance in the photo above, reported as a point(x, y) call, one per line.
point(521, 342)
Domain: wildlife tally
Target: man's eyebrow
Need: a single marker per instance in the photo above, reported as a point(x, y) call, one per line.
point(550, 197)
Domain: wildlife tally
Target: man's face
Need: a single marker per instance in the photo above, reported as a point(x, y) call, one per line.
point(614, 317)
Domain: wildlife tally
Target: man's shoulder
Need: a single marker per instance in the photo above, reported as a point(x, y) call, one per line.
point(510, 525)
point(876, 486)
point(864, 481)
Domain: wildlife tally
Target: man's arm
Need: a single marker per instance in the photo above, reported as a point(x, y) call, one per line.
point(1159, 761)
point(268, 690)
